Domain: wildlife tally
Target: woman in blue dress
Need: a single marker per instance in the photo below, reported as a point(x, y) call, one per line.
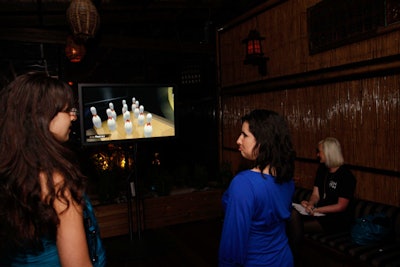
point(43, 206)
point(258, 201)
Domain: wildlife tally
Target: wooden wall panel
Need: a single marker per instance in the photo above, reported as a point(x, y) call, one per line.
point(362, 114)
point(176, 209)
point(378, 187)
point(351, 92)
point(159, 212)
point(284, 27)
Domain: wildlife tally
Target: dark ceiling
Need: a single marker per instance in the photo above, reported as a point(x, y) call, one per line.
point(33, 33)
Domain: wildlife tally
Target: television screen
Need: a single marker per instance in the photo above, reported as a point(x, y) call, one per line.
point(126, 112)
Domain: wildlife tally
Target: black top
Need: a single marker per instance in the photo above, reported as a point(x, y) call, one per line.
point(331, 186)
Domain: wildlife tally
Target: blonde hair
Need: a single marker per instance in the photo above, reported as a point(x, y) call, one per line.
point(333, 152)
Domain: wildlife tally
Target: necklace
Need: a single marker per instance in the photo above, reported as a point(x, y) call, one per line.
point(331, 172)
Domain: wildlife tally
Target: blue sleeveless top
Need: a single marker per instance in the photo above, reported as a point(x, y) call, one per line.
point(96, 249)
point(48, 257)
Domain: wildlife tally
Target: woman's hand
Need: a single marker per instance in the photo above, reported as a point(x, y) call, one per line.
point(304, 203)
point(310, 209)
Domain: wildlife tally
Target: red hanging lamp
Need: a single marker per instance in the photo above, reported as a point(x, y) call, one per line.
point(75, 50)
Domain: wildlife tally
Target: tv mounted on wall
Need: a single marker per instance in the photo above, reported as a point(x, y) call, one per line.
point(117, 113)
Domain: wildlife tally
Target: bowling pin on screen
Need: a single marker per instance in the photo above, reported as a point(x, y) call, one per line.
point(126, 112)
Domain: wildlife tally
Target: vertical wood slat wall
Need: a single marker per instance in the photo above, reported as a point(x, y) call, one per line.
point(359, 105)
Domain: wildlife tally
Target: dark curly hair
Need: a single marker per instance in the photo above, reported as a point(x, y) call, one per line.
point(28, 149)
point(274, 143)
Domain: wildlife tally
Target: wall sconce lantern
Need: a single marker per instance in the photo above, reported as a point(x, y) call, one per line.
point(74, 50)
point(254, 53)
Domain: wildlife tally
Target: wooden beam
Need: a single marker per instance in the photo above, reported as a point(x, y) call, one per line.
point(34, 35)
point(367, 68)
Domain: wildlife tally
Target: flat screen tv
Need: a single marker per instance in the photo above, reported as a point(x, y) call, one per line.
point(118, 113)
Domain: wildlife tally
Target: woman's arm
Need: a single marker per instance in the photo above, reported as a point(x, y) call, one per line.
point(338, 207)
point(71, 238)
point(237, 223)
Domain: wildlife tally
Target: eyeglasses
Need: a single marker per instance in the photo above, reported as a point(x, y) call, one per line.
point(73, 112)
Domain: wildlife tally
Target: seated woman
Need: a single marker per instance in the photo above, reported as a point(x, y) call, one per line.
point(333, 191)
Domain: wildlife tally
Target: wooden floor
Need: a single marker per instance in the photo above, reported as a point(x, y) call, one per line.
point(192, 244)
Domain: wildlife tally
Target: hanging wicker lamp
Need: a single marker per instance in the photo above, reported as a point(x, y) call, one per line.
point(83, 19)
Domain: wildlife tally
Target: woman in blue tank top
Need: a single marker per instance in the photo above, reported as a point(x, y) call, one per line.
point(45, 214)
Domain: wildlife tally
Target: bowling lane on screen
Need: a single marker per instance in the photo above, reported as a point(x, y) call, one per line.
point(161, 128)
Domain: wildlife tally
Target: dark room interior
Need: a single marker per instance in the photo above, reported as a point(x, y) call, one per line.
point(136, 42)
point(330, 67)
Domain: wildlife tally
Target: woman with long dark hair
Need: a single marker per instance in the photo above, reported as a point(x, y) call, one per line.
point(43, 206)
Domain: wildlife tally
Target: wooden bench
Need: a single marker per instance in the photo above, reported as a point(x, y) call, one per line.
point(338, 249)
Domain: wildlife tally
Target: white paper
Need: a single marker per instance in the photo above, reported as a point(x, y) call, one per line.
point(303, 211)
